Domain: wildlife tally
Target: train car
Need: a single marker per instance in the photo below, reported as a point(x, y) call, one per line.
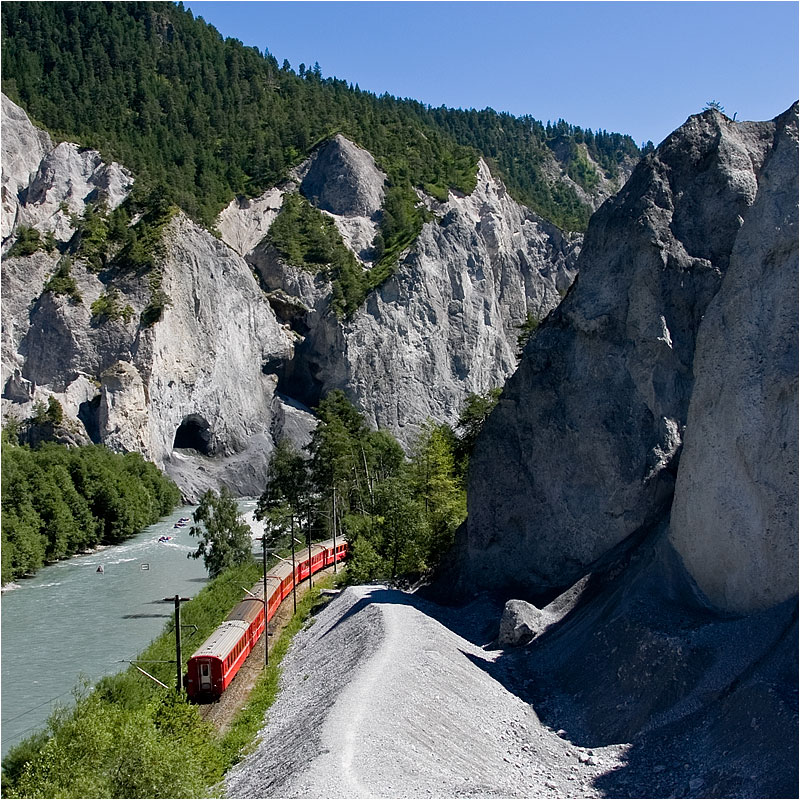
point(216, 662)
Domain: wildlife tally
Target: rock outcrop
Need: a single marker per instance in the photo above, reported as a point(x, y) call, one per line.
point(583, 449)
point(195, 388)
point(734, 519)
point(43, 184)
point(446, 324)
point(644, 457)
point(343, 180)
point(22, 149)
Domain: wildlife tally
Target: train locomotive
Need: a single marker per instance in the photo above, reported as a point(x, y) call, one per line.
point(215, 663)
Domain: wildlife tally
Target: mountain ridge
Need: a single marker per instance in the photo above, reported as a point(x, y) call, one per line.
point(203, 138)
point(444, 325)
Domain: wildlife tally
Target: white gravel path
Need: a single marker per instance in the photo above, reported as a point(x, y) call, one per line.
point(379, 699)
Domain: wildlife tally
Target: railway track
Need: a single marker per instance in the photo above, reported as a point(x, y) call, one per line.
point(220, 713)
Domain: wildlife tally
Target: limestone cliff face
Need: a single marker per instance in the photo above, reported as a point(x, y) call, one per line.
point(42, 183)
point(583, 448)
point(197, 391)
point(195, 385)
point(208, 359)
point(734, 519)
point(445, 324)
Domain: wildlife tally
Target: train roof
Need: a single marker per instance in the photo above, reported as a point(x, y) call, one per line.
point(222, 641)
point(247, 609)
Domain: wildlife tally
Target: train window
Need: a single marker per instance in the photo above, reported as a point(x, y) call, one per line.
point(204, 669)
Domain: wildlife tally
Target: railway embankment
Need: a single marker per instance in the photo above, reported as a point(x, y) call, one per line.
point(388, 694)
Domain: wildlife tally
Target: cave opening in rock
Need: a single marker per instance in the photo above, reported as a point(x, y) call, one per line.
point(89, 415)
point(194, 433)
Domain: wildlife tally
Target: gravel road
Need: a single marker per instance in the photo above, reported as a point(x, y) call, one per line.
point(382, 698)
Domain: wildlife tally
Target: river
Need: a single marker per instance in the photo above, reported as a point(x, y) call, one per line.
point(70, 620)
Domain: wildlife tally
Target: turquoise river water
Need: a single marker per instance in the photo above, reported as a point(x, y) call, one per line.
point(69, 620)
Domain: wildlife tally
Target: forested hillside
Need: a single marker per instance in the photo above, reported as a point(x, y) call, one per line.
point(399, 515)
point(164, 94)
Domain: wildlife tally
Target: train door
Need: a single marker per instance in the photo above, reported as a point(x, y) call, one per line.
point(205, 676)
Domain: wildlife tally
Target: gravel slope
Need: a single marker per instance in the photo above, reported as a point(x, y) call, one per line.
point(382, 699)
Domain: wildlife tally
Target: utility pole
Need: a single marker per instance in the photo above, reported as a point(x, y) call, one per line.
point(178, 600)
point(266, 606)
point(294, 571)
point(334, 528)
point(308, 533)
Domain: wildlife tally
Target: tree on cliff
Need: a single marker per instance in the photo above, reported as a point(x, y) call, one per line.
point(224, 536)
point(474, 413)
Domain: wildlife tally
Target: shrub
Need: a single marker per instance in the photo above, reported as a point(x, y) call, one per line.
point(62, 282)
point(28, 242)
point(159, 300)
point(109, 307)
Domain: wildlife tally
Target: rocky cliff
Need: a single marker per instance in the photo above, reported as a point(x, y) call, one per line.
point(637, 481)
point(445, 324)
point(584, 447)
point(244, 340)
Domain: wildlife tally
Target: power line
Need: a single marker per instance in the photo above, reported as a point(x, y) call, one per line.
point(6, 721)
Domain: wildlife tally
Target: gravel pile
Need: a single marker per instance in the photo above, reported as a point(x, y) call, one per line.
point(379, 698)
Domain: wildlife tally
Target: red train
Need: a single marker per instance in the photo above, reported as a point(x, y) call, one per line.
point(215, 663)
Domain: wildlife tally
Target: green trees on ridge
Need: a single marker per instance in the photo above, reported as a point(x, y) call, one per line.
point(162, 92)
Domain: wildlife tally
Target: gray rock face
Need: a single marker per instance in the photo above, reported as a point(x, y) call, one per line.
point(40, 180)
point(206, 363)
point(445, 324)
point(195, 392)
point(23, 147)
point(583, 447)
point(343, 179)
point(200, 368)
point(244, 223)
point(734, 519)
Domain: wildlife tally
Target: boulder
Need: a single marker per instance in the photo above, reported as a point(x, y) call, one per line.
point(521, 623)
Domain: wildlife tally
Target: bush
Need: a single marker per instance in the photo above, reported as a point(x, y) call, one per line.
point(62, 282)
point(109, 307)
point(309, 240)
point(28, 242)
point(159, 300)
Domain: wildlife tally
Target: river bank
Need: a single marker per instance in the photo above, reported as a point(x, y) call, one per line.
point(70, 621)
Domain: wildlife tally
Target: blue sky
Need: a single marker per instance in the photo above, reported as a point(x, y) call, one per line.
point(635, 67)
